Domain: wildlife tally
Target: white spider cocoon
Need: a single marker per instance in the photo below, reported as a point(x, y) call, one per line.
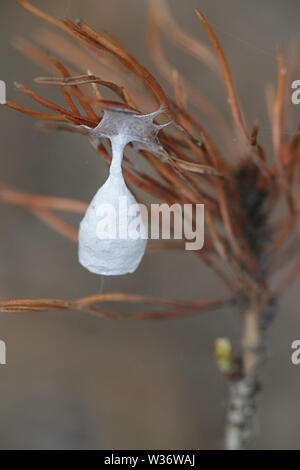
point(98, 252)
point(112, 234)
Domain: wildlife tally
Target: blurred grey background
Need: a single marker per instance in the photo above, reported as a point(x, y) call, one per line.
point(77, 382)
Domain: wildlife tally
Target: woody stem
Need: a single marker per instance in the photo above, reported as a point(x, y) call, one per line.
point(241, 415)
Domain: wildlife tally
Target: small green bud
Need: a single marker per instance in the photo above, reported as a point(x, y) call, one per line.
point(223, 354)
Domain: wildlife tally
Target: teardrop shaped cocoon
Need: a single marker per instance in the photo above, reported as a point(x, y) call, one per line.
point(104, 244)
